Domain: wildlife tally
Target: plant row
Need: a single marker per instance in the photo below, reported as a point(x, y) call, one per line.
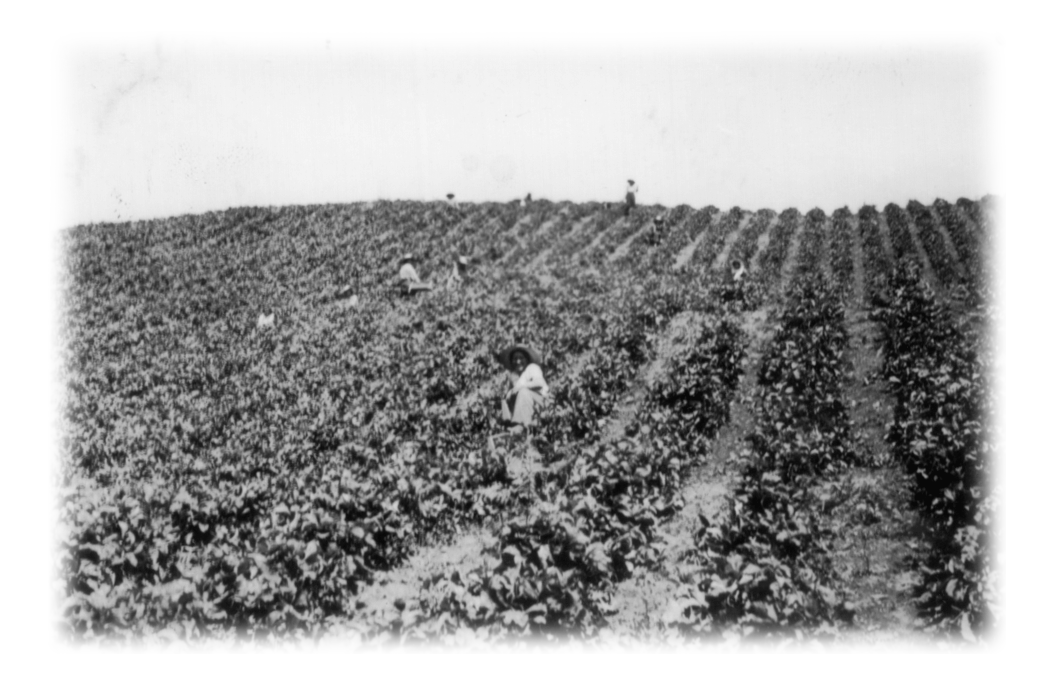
point(842, 251)
point(967, 246)
point(877, 262)
point(764, 570)
point(770, 264)
point(933, 242)
point(812, 251)
point(706, 252)
point(900, 236)
point(938, 375)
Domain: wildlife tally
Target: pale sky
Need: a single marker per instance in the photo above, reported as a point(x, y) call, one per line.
point(162, 131)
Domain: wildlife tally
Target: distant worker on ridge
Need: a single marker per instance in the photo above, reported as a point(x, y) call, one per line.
point(631, 197)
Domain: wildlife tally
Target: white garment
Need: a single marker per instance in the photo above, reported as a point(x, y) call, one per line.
point(407, 272)
point(532, 379)
point(632, 188)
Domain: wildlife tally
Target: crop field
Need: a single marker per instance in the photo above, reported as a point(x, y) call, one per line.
point(801, 457)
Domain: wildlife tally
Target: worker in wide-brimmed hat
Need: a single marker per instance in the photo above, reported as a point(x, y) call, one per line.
point(408, 275)
point(739, 270)
point(631, 197)
point(458, 274)
point(529, 389)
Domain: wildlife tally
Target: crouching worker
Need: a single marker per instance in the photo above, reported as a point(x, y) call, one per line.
point(408, 277)
point(529, 390)
point(733, 290)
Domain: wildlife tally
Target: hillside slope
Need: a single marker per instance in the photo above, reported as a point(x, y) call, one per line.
point(225, 478)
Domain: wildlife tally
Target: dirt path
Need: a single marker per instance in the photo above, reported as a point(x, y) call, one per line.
point(686, 254)
point(887, 240)
point(763, 242)
point(923, 257)
point(875, 527)
point(826, 250)
point(790, 262)
point(623, 248)
point(640, 602)
point(859, 282)
point(404, 583)
point(512, 250)
point(981, 241)
point(540, 260)
point(599, 238)
point(957, 264)
point(542, 233)
point(671, 343)
point(730, 240)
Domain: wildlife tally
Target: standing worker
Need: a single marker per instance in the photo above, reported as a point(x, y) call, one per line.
point(631, 197)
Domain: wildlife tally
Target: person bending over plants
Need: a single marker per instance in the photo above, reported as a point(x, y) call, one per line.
point(529, 389)
point(408, 277)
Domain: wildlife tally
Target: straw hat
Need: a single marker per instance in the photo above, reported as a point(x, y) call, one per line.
point(450, 196)
point(407, 258)
point(462, 261)
point(505, 356)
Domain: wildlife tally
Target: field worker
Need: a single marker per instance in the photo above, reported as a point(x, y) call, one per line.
point(408, 276)
point(631, 197)
point(458, 274)
point(450, 200)
point(529, 389)
point(658, 229)
point(738, 271)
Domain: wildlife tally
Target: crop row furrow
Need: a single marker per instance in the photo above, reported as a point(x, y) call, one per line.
point(938, 375)
point(764, 569)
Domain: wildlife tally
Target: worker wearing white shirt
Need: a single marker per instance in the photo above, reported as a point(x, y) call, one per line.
point(409, 278)
point(528, 391)
point(738, 271)
point(631, 196)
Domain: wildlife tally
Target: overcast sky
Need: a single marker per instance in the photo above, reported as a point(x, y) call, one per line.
point(161, 131)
